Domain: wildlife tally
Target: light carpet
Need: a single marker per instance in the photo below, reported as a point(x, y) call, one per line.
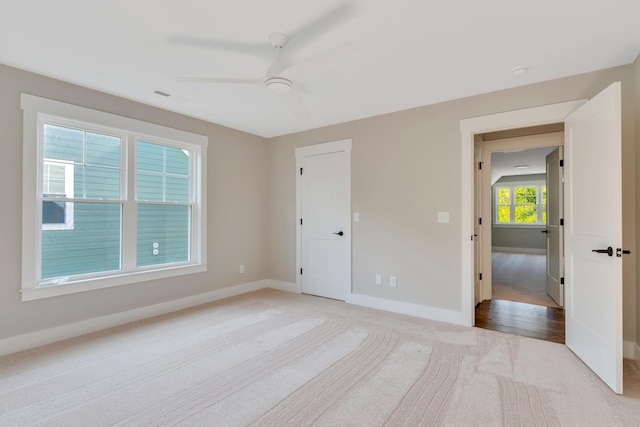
point(272, 358)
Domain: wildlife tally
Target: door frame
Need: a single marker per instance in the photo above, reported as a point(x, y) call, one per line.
point(536, 116)
point(343, 145)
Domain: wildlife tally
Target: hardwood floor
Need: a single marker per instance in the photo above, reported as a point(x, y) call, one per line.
point(534, 321)
point(520, 277)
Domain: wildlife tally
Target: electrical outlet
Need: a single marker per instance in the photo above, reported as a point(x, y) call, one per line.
point(378, 279)
point(241, 268)
point(392, 281)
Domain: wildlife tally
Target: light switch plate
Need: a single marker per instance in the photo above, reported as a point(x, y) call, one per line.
point(356, 216)
point(443, 217)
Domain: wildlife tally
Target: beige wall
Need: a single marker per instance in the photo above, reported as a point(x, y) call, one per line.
point(406, 168)
point(237, 215)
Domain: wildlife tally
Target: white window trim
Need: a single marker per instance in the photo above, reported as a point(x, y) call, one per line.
point(512, 224)
point(36, 107)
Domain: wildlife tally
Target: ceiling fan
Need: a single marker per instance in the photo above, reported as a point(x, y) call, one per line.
point(281, 80)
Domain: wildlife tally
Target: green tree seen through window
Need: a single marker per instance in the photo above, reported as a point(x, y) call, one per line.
point(524, 204)
point(526, 209)
point(504, 205)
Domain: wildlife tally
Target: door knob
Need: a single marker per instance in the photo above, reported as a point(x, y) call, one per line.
point(608, 251)
point(339, 233)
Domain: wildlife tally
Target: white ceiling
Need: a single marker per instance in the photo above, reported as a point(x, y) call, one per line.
point(407, 53)
point(504, 164)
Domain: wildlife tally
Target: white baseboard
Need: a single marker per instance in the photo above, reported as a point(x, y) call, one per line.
point(411, 309)
point(283, 286)
point(631, 350)
point(519, 250)
point(417, 310)
point(51, 335)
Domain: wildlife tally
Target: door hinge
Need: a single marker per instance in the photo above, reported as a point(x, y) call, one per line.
point(480, 165)
point(300, 271)
point(300, 171)
point(561, 163)
point(479, 221)
point(562, 280)
point(480, 276)
point(561, 221)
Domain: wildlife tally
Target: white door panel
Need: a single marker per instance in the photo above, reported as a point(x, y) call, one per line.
point(477, 229)
point(325, 229)
point(593, 221)
point(554, 230)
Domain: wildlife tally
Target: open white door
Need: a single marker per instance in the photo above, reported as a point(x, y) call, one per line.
point(324, 219)
point(593, 235)
point(555, 252)
point(477, 230)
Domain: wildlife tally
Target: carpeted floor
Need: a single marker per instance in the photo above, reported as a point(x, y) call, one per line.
point(271, 358)
point(520, 277)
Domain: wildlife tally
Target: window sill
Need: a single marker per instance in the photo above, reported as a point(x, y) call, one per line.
point(40, 292)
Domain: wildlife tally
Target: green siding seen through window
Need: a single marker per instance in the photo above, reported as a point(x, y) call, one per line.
point(168, 227)
point(91, 242)
point(93, 245)
point(96, 160)
point(162, 173)
point(163, 226)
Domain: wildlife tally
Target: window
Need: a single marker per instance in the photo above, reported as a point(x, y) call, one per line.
point(520, 203)
point(107, 200)
point(57, 183)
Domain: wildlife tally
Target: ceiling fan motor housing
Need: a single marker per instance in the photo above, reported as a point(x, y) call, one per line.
point(278, 84)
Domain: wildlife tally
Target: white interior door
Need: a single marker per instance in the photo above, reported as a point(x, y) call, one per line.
point(477, 229)
point(593, 221)
point(555, 253)
point(324, 206)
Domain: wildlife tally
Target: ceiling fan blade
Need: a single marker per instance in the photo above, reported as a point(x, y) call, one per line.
point(218, 80)
point(317, 64)
point(259, 49)
point(322, 24)
point(294, 102)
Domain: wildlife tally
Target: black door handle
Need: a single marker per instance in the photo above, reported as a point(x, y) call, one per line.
point(620, 252)
point(545, 231)
point(608, 251)
point(339, 233)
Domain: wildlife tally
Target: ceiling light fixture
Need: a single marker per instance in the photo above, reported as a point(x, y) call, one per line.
point(519, 71)
point(521, 166)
